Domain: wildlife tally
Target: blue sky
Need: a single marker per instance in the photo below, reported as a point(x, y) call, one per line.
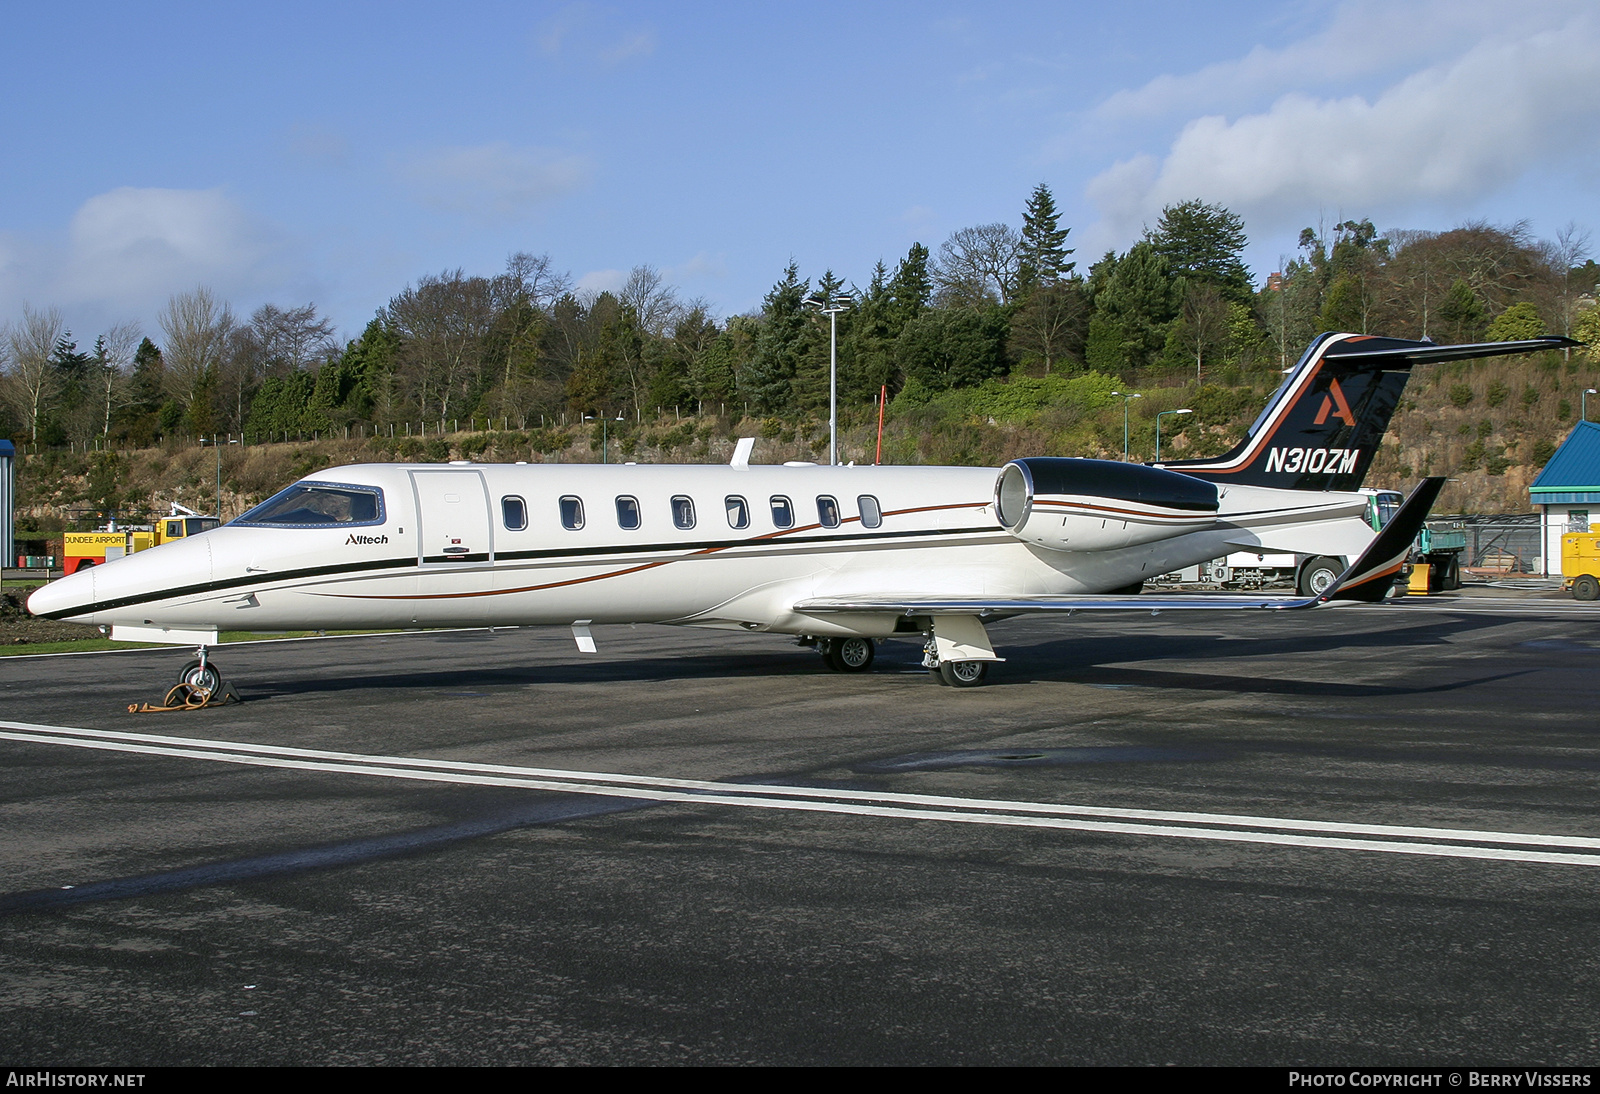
point(293, 152)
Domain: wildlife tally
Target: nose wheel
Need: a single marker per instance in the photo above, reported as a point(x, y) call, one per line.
point(200, 684)
point(202, 674)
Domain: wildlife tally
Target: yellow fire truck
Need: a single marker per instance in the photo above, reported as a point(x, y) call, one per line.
point(81, 549)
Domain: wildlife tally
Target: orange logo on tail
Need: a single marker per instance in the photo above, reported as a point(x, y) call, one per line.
point(1335, 401)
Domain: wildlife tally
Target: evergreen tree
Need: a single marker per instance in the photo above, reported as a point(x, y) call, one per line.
point(953, 347)
point(768, 380)
point(1044, 256)
point(149, 377)
point(1137, 296)
point(911, 288)
point(1203, 242)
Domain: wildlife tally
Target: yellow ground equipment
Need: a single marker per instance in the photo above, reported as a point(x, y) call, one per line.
point(1580, 564)
point(82, 549)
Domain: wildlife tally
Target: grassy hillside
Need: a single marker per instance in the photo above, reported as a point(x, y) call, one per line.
point(1489, 425)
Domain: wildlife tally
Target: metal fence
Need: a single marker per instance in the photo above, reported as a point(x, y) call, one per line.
point(1505, 544)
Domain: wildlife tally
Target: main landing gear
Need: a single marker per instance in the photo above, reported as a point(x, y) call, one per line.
point(957, 653)
point(844, 654)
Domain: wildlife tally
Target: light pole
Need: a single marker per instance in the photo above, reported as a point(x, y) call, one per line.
point(605, 434)
point(1125, 399)
point(831, 308)
point(217, 442)
point(1159, 416)
point(1584, 413)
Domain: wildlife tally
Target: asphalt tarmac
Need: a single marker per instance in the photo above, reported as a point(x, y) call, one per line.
point(1364, 836)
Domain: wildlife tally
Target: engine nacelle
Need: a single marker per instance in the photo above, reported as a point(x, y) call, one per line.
point(1099, 505)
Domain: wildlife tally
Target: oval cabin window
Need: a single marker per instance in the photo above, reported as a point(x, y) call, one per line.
point(683, 512)
point(514, 513)
point(627, 513)
point(571, 513)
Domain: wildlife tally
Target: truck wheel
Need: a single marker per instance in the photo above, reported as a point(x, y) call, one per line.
point(1585, 587)
point(1318, 574)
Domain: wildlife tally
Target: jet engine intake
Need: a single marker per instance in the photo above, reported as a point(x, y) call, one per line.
point(1067, 504)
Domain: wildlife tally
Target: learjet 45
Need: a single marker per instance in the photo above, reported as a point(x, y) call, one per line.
point(838, 556)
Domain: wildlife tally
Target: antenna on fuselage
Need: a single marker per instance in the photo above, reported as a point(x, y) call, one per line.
point(741, 454)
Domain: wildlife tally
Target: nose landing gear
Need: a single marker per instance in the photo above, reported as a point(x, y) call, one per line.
point(200, 684)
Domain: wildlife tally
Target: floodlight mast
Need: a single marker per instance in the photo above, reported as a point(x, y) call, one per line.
point(831, 308)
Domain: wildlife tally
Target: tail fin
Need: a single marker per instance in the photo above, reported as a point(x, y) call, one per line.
point(1322, 428)
point(1371, 576)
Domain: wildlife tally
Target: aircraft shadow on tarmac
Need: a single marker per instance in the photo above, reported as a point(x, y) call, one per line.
point(1060, 658)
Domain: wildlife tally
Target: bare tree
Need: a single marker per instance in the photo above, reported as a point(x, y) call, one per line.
point(1051, 322)
point(442, 322)
point(654, 302)
point(198, 331)
point(536, 278)
point(289, 339)
point(979, 266)
point(31, 382)
point(1204, 318)
point(114, 352)
point(1567, 250)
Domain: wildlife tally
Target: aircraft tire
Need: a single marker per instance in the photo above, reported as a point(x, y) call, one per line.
point(963, 674)
point(209, 677)
point(1318, 574)
point(1585, 587)
point(850, 654)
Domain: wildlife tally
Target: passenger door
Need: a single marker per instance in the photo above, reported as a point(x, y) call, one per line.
point(453, 518)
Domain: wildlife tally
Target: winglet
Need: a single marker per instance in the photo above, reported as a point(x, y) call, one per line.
point(1371, 576)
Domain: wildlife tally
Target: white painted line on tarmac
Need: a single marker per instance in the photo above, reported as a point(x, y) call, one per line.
point(1280, 831)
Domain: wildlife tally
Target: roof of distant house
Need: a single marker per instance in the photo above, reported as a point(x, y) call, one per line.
point(1573, 473)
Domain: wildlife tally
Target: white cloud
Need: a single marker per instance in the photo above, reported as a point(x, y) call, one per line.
point(701, 265)
point(577, 30)
point(1362, 38)
point(599, 281)
point(498, 180)
point(1450, 133)
point(317, 145)
point(132, 247)
point(639, 44)
point(126, 251)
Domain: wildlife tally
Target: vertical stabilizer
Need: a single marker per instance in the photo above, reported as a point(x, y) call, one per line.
point(1322, 428)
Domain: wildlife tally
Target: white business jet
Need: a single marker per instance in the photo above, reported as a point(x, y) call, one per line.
point(838, 556)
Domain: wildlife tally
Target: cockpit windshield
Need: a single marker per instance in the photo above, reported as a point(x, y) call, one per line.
point(318, 505)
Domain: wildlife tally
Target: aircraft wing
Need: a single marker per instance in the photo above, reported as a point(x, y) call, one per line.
point(1367, 579)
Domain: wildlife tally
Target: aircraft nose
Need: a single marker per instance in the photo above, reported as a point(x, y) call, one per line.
point(64, 597)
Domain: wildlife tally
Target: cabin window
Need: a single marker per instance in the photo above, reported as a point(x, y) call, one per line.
point(828, 511)
point(174, 529)
point(782, 512)
point(317, 505)
point(871, 511)
point(627, 513)
point(571, 513)
point(738, 511)
point(683, 512)
point(514, 513)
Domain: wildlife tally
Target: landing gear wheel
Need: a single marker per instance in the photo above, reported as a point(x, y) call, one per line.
point(1318, 574)
point(206, 676)
point(963, 674)
point(1585, 587)
point(850, 654)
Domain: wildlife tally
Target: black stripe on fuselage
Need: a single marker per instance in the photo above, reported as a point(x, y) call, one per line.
point(574, 553)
